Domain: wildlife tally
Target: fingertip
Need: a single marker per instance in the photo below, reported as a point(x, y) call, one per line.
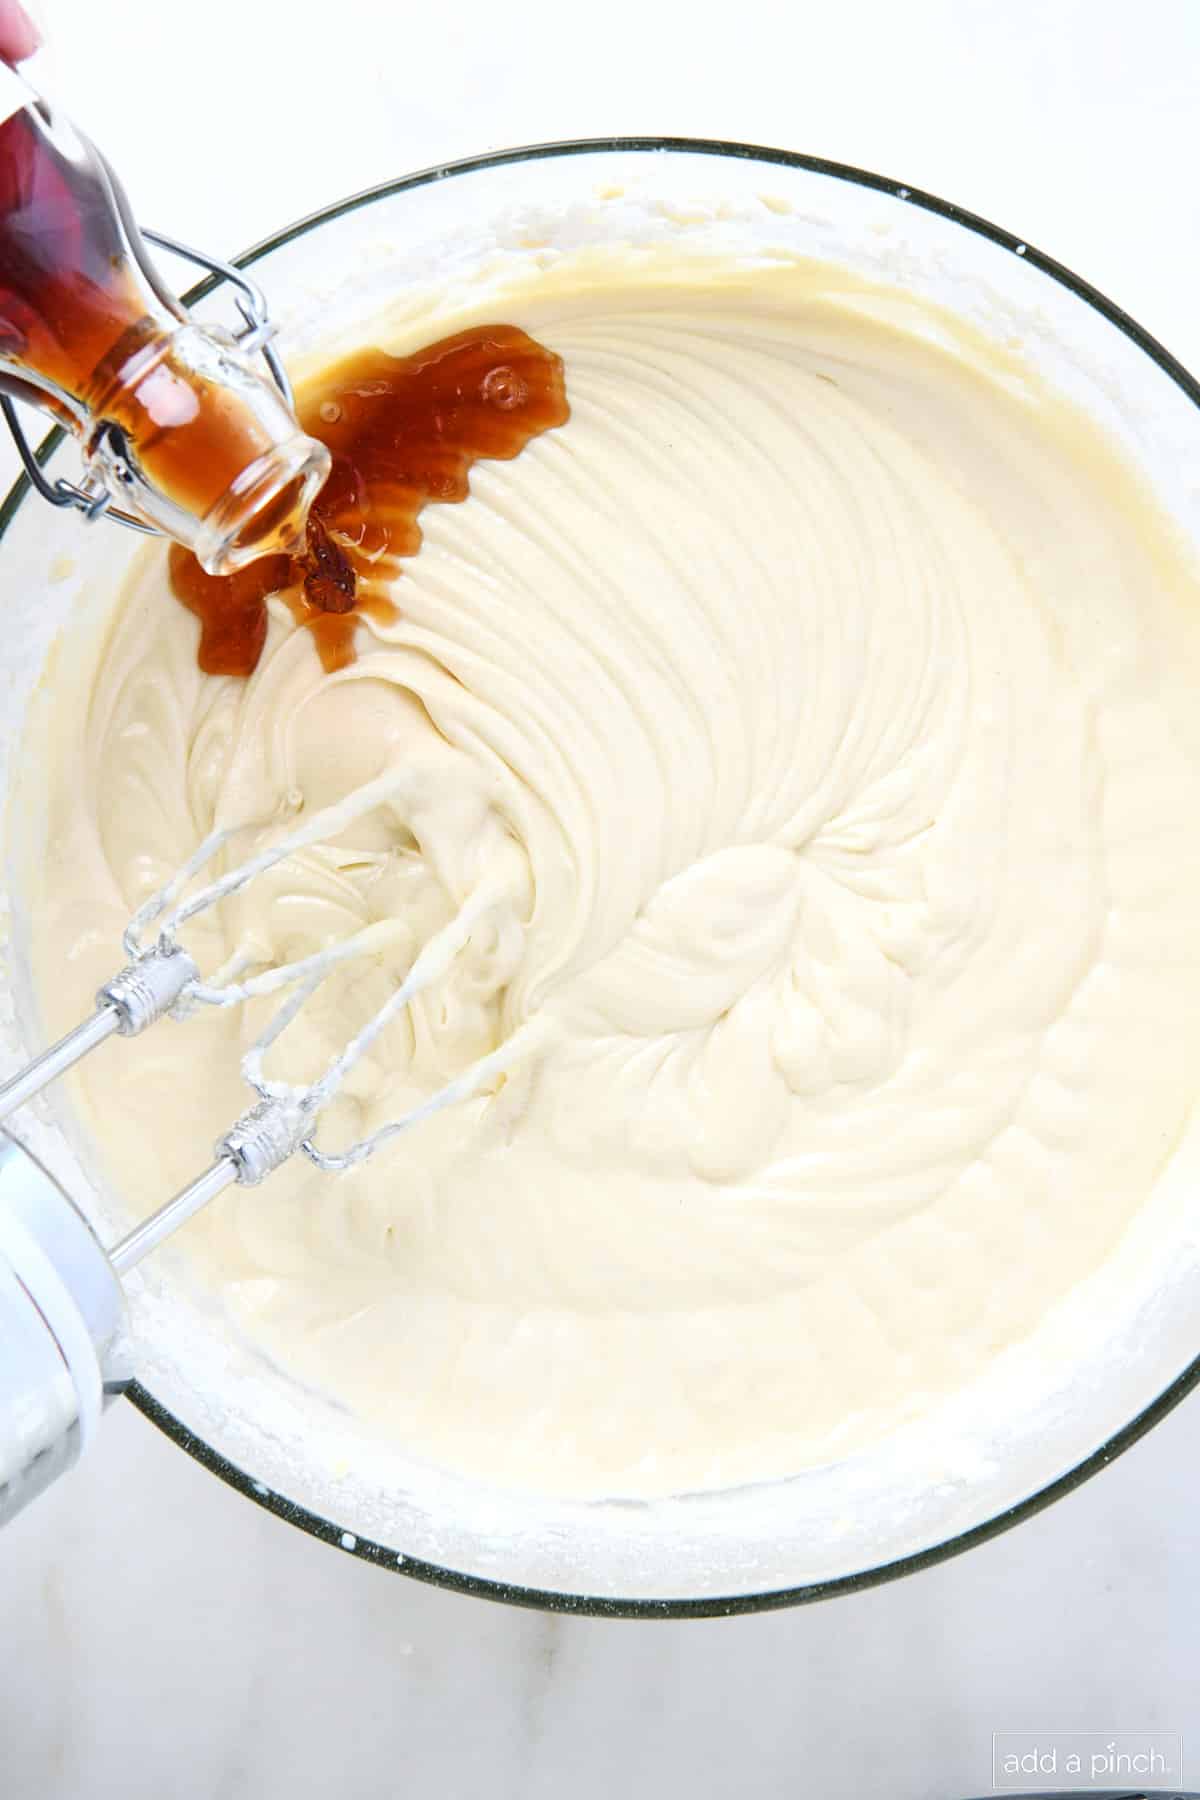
point(19, 36)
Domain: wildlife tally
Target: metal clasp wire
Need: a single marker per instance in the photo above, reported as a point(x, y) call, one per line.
point(254, 338)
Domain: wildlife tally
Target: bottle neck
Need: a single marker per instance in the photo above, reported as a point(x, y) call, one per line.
point(187, 433)
point(175, 422)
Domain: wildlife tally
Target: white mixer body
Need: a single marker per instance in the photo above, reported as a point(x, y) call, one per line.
point(64, 1350)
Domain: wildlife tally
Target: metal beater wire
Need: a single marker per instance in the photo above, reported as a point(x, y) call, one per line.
point(429, 966)
point(165, 909)
point(463, 1087)
point(170, 913)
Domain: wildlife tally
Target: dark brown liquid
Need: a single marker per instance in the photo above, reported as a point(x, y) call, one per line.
point(76, 309)
point(403, 430)
point(65, 297)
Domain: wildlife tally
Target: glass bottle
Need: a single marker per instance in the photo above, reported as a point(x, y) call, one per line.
point(174, 419)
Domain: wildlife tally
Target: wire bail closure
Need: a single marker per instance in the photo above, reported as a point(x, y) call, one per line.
point(254, 339)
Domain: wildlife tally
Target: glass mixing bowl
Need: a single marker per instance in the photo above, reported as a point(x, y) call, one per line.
point(929, 1491)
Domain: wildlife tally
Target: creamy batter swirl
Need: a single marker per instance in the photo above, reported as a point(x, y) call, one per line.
point(820, 703)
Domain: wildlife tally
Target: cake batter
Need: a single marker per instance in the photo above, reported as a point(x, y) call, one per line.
point(818, 703)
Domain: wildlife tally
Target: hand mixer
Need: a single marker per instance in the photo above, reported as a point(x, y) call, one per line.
point(62, 1309)
point(63, 1343)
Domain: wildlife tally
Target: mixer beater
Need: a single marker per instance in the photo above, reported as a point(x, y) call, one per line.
point(161, 978)
point(63, 1323)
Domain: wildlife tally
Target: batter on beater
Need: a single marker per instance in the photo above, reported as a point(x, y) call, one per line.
point(816, 703)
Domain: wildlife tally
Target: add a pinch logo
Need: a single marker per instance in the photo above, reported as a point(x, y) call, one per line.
point(1132, 1763)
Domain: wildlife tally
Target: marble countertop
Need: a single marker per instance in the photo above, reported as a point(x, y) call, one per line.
point(165, 1638)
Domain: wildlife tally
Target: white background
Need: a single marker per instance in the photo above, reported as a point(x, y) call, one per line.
point(164, 1638)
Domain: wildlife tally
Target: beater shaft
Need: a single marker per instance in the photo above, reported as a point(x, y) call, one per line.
point(259, 1143)
point(174, 1213)
point(58, 1059)
point(135, 997)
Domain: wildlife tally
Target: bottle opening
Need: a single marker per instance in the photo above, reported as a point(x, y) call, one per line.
point(265, 512)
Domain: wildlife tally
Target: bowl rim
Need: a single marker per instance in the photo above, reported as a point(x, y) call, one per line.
point(381, 1555)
